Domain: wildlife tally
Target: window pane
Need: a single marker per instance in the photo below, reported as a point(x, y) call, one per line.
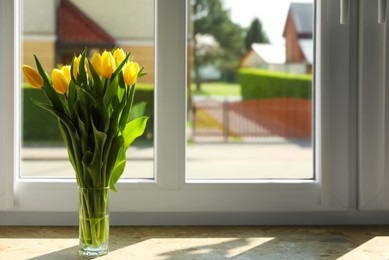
point(250, 94)
point(56, 30)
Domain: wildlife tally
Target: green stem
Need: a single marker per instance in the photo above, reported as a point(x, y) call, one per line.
point(94, 222)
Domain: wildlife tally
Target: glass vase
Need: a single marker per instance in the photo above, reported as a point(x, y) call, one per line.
point(93, 221)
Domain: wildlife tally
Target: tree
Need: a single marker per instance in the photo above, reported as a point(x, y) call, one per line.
point(255, 33)
point(211, 19)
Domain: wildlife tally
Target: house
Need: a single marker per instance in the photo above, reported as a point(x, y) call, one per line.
point(296, 56)
point(75, 30)
point(55, 30)
point(298, 32)
point(264, 56)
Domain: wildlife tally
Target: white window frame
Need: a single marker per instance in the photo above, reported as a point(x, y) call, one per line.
point(169, 200)
point(373, 113)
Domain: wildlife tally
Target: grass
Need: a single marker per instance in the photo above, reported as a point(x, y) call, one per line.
point(207, 89)
point(145, 86)
point(217, 89)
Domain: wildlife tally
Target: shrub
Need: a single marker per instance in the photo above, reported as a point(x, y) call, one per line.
point(260, 84)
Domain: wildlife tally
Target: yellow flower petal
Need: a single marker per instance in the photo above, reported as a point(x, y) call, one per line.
point(61, 84)
point(130, 73)
point(32, 76)
point(119, 54)
point(108, 64)
point(66, 72)
point(96, 62)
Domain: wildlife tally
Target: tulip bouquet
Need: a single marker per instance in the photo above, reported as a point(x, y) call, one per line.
point(93, 101)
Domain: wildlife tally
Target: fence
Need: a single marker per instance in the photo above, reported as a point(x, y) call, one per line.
point(278, 117)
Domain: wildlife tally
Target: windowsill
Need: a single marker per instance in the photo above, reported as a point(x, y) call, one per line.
point(347, 242)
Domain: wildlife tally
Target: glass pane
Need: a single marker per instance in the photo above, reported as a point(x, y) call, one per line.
point(56, 30)
point(250, 94)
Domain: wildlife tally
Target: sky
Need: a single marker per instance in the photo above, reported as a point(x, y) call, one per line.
point(272, 14)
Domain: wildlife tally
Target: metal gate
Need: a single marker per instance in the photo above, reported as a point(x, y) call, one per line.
point(225, 120)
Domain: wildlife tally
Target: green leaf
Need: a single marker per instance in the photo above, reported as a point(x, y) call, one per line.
point(82, 74)
point(84, 135)
point(118, 170)
point(96, 80)
point(71, 132)
point(71, 99)
point(97, 161)
point(71, 71)
point(69, 124)
point(89, 174)
point(137, 110)
point(113, 156)
point(110, 92)
point(114, 127)
point(127, 109)
point(103, 111)
point(53, 96)
point(92, 161)
point(134, 129)
point(72, 154)
point(121, 82)
point(119, 68)
point(141, 73)
point(82, 106)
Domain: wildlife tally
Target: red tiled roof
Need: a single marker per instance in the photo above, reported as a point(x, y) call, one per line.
point(74, 27)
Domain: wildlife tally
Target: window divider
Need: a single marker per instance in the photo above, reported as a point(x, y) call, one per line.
point(8, 64)
point(170, 86)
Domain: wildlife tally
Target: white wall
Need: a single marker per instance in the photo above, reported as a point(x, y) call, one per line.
point(38, 17)
point(123, 19)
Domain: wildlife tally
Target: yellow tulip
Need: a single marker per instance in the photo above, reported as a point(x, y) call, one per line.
point(96, 62)
point(76, 65)
point(66, 72)
point(119, 54)
point(130, 73)
point(60, 82)
point(108, 65)
point(32, 76)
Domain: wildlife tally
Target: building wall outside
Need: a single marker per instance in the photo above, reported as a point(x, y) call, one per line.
point(43, 49)
point(130, 22)
point(144, 56)
point(38, 17)
point(293, 50)
point(122, 19)
point(38, 27)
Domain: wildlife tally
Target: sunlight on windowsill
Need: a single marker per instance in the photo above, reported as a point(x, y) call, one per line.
point(246, 242)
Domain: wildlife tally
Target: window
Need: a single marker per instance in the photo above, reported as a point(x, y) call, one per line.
point(54, 32)
point(248, 124)
point(169, 199)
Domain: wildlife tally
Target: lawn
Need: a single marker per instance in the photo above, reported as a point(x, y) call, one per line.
point(217, 89)
point(208, 89)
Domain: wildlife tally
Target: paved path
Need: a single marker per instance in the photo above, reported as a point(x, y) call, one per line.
point(266, 158)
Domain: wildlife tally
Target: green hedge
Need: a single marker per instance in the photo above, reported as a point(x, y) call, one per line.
point(260, 84)
point(40, 127)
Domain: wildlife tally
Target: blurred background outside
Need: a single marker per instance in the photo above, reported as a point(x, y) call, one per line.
point(249, 83)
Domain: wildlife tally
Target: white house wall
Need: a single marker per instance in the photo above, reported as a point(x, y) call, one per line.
point(38, 17)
